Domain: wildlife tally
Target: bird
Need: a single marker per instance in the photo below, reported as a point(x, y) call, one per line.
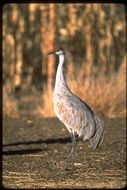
point(74, 113)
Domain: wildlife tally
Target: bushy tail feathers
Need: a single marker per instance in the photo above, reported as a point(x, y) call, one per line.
point(98, 136)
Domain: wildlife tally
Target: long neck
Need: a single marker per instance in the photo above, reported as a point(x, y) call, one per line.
point(60, 83)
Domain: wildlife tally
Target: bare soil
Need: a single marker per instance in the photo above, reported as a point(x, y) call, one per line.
point(35, 150)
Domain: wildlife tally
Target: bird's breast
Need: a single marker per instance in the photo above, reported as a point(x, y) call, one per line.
point(66, 115)
point(61, 109)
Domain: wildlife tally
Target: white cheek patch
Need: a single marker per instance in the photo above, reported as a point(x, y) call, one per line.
point(59, 52)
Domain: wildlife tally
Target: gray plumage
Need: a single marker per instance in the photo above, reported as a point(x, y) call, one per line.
point(76, 115)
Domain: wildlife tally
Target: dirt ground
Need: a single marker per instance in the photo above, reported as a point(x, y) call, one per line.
point(35, 150)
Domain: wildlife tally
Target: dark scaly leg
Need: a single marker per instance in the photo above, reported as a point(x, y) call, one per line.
point(70, 159)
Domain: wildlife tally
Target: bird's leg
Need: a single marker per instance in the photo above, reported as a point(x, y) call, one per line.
point(70, 159)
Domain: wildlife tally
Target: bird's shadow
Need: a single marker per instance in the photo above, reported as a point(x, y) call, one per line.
point(29, 151)
point(21, 152)
point(46, 141)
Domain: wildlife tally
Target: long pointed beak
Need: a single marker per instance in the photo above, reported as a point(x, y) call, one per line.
point(52, 52)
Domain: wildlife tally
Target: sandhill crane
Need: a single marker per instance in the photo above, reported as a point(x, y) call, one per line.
point(76, 115)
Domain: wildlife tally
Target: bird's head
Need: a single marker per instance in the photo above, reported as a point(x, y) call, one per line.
point(59, 51)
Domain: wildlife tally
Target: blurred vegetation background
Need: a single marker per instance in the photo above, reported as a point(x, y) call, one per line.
point(94, 38)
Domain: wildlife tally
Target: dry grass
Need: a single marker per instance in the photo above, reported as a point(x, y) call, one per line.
point(10, 107)
point(106, 97)
point(46, 110)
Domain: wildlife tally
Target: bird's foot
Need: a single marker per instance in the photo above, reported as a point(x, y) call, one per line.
point(70, 164)
point(69, 167)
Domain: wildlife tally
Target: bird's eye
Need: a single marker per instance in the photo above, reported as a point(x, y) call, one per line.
point(60, 49)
